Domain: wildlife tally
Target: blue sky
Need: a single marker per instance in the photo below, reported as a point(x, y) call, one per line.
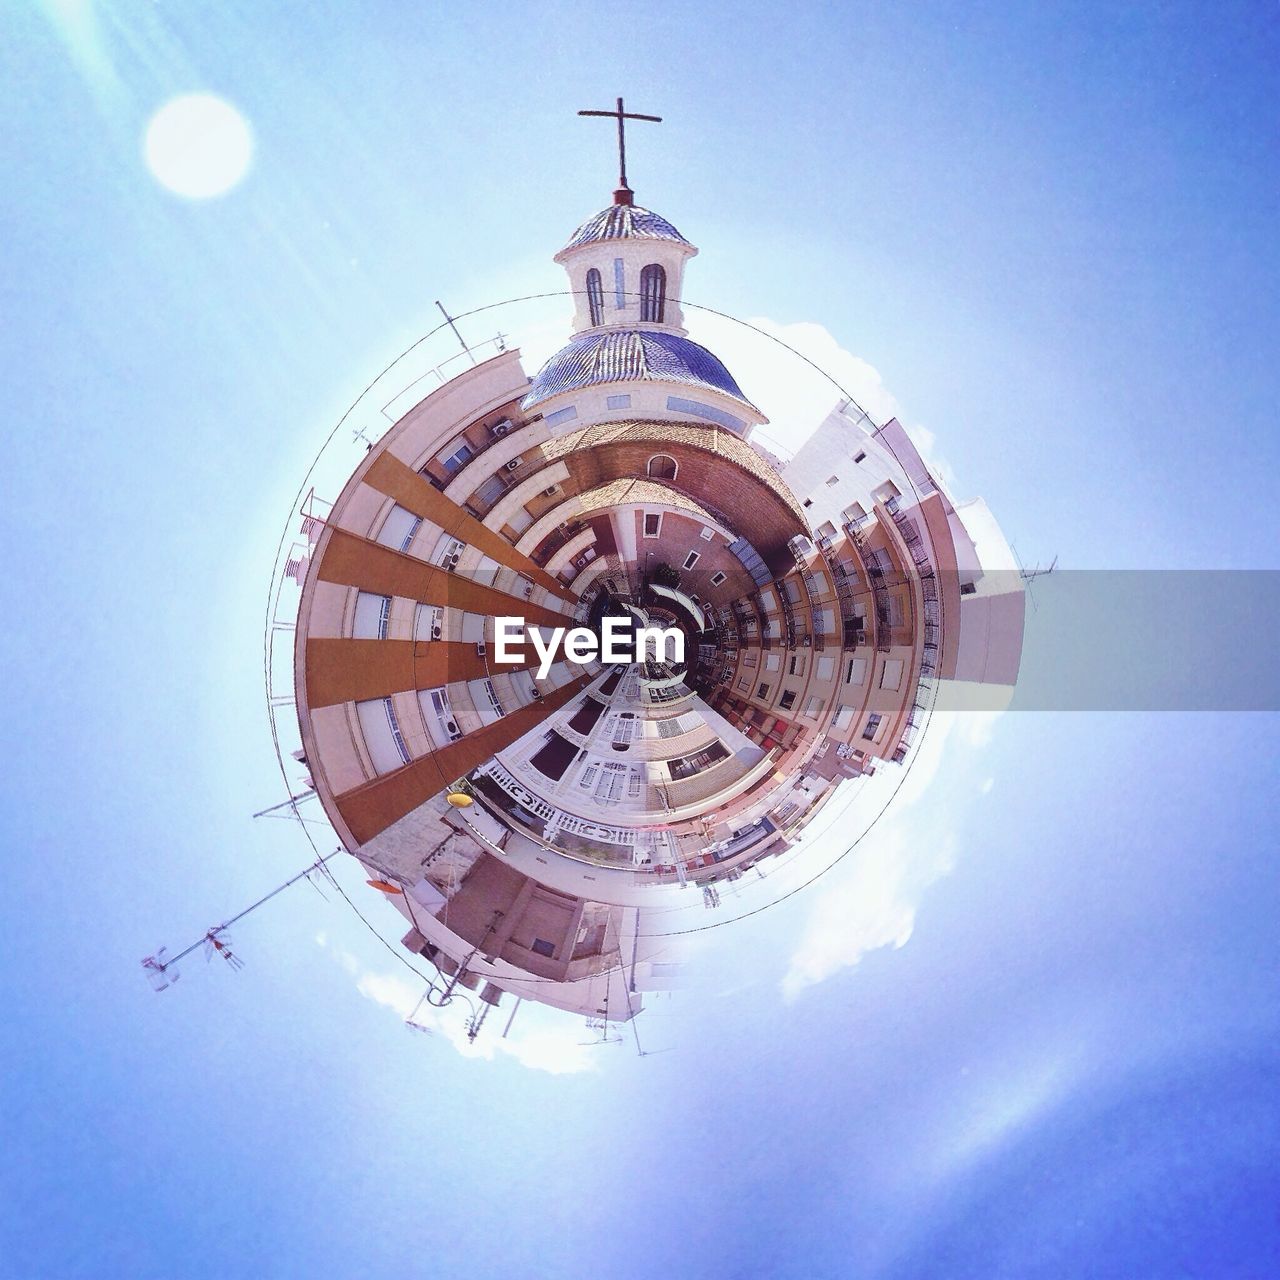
point(1037, 1033)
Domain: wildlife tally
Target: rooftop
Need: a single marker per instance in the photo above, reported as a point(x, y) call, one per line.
point(624, 222)
point(629, 355)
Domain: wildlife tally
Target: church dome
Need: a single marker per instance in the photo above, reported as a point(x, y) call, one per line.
point(624, 222)
point(631, 356)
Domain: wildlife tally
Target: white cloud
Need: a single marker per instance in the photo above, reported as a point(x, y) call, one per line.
point(872, 905)
point(796, 395)
point(870, 898)
point(540, 1040)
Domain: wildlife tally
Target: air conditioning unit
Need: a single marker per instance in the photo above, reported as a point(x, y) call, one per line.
point(480, 649)
point(550, 491)
point(513, 465)
point(500, 428)
point(435, 632)
point(808, 641)
point(537, 693)
point(454, 731)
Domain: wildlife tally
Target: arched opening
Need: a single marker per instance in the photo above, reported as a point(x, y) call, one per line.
point(595, 296)
point(653, 293)
point(662, 467)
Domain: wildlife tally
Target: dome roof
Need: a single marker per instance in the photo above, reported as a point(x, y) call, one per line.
point(628, 355)
point(624, 222)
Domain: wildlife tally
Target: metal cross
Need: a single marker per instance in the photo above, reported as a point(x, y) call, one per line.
point(620, 115)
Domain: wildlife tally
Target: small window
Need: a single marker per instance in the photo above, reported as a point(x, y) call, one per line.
point(788, 699)
point(860, 456)
point(399, 528)
point(461, 453)
point(618, 402)
point(687, 766)
point(595, 296)
point(691, 559)
point(653, 293)
point(652, 523)
point(541, 945)
point(706, 533)
point(428, 622)
point(968, 588)
point(662, 467)
point(373, 612)
point(832, 480)
point(489, 492)
point(717, 578)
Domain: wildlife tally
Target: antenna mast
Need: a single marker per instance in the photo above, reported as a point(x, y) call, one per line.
point(157, 966)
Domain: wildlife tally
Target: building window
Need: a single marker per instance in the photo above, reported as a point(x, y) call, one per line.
point(662, 467)
point(489, 492)
point(438, 715)
point(860, 456)
point(717, 578)
point(543, 947)
point(610, 782)
point(788, 699)
point(595, 296)
point(706, 533)
point(618, 402)
point(652, 523)
point(653, 293)
point(762, 691)
point(373, 614)
point(687, 766)
point(428, 622)
point(691, 559)
point(461, 454)
point(832, 480)
point(812, 707)
point(873, 727)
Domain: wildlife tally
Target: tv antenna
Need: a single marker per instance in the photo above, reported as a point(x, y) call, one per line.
point(159, 967)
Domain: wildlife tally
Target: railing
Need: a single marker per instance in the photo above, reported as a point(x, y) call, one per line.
point(437, 376)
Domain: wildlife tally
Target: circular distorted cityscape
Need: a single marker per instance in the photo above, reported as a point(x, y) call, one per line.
point(573, 653)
